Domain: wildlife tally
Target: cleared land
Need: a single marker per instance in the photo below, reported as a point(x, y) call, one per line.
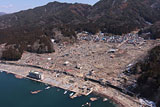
point(85, 59)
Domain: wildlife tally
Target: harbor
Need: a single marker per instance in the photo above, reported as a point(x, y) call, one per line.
point(21, 88)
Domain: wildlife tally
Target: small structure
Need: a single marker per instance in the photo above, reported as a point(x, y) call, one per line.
point(49, 59)
point(112, 50)
point(78, 66)
point(36, 75)
point(53, 41)
point(147, 102)
point(35, 92)
point(93, 99)
point(66, 63)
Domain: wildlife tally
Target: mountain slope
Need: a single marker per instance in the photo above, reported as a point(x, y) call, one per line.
point(2, 13)
point(152, 31)
point(113, 16)
point(148, 83)
point(52, 13)
point(32, 30)
point(44, 20)
point(60, 21)
point(122, 16)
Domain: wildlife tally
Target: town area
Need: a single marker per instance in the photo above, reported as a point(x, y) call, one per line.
point(93, 64)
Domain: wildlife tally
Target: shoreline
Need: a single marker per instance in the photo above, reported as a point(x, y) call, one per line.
point(115, 101)
point(25, 77)
point(18, 76)
point(110, 98)
point(53, 96)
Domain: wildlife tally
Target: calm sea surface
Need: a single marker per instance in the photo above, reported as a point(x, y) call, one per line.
point(16, 93)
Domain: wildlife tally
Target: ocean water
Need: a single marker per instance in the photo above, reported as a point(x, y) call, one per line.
point(17, 93)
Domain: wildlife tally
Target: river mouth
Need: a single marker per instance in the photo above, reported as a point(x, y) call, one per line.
point(16, 92)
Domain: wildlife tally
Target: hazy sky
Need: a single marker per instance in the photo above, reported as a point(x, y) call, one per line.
point(10, 6)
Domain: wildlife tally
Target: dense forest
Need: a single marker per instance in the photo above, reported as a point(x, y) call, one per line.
point(111, 16)
point(148, 80)
point(152, 31)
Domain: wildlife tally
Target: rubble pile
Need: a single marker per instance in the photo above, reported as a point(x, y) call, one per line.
point(132, 38)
